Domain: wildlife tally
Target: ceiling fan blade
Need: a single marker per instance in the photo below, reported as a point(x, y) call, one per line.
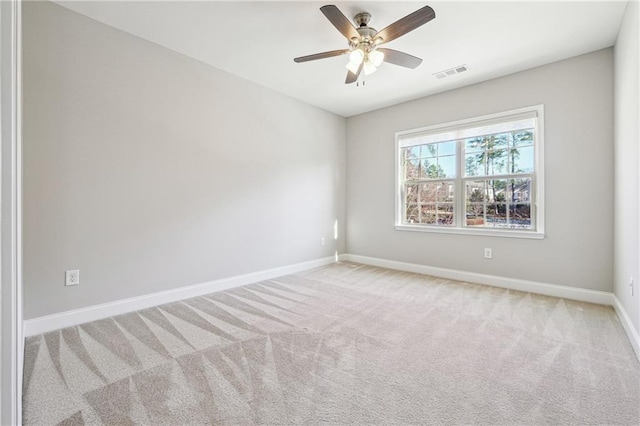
point(339, 21)
point(351, 77)
point(321, 55)
point(406, 24)
point(402, 59)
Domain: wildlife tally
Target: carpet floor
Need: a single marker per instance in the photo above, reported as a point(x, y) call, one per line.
point(341, 344)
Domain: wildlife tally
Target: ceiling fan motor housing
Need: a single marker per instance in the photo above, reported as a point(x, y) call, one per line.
point(366, 40)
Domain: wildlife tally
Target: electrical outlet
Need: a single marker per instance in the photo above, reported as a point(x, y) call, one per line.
point(631, 285)
point(488, 253)
point(72, 277)
point(321, 241)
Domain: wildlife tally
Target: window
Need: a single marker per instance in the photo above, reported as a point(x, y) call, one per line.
point(480, 176)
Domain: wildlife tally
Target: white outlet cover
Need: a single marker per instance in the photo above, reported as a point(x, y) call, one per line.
point(72, 277)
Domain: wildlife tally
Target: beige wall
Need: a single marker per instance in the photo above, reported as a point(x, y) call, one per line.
point(149, 171)
point(627, 158)
point(577, 251)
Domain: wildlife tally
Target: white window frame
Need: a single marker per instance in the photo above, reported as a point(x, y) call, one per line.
point(537, 201)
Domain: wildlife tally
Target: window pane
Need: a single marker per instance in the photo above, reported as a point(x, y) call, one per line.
point(429, 150)
point(520, 216)
point(474, 164)
point(484, 143)
point(496, 215)
point(519, 190)
point(412, 152)
point(499, 141)
point(428, 192)
point(411, 215)
point(522, 138)
point(412, 169)
point(496, 190)
point(475, 191)
point(445, 192)
point(445, 214)
point(486, 156)
point(437, 203)
point(411, 194)
point(428, 214)
point(475, 214)
point(447, 148)
point(522, 160)
point(486, 163)
point(473, 145)
point(476, 195)
point(497, 162)
point(440, 192)
point(447, 166)
point(431, 170)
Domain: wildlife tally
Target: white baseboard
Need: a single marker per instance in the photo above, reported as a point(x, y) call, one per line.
point(79, 316)
point(573, 293)
point(60, 320)
point(634, 338)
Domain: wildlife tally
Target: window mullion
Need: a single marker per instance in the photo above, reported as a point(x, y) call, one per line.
point(403, 200)
point(419, 201)
point(459, 201)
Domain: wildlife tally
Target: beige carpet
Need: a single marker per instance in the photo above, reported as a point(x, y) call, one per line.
point(342, 344)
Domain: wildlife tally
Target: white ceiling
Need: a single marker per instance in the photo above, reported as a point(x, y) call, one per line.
point(258, 41)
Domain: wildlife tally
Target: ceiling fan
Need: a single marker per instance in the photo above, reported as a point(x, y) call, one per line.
point(364, 53)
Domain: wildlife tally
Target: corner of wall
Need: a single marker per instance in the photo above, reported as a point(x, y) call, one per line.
point(627, 179)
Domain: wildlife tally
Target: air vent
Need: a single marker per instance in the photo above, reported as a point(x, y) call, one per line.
point(451, 71)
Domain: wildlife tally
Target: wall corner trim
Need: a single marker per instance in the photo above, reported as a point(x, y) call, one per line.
point(632, 334)
point(60, 320)
point(565, 292)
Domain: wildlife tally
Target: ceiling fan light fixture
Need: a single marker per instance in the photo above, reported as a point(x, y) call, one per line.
point(356, 57)
point(376, 57)
point(369, 68)
point(353, 67)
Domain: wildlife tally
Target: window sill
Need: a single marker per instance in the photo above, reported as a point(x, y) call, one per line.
point(470, 231)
